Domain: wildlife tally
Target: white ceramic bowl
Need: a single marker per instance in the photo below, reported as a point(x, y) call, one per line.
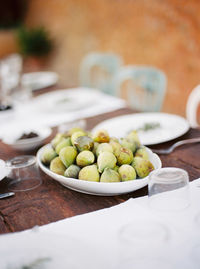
point(100, 188)
point(28, 143)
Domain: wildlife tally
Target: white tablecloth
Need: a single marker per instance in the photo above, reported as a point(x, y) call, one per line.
point(38, 112)
point(92, 240)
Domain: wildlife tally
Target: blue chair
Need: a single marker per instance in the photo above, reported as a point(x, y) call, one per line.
point(97, 70)
point(145, 85)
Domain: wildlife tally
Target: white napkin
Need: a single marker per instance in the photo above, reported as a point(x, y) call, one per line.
point(99, 232)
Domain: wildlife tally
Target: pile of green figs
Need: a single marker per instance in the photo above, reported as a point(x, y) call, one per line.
point(97, 157)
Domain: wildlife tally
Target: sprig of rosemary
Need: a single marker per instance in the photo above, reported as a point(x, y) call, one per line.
point(149, 126)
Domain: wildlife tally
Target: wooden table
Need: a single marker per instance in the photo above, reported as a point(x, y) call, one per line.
point(51, 201)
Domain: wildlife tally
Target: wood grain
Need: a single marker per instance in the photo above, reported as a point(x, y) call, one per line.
point(51, 201)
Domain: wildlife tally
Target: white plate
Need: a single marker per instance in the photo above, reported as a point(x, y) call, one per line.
point(63, 101)
point(171, 126)
point(39, 80)
point(100, 188)
point(4, 171)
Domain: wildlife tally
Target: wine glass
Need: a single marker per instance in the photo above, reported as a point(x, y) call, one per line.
point(24, 173)
point(13, 91)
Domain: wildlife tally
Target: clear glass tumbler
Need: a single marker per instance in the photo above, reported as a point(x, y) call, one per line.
point(168, 189)
point(24, 173)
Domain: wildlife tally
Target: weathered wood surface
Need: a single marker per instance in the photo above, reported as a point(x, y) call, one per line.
point(51, 201)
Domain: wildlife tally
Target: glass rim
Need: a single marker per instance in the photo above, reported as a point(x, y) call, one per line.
point(21, 161)
point(176, 177)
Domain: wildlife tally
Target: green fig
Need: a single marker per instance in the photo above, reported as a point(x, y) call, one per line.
point(125, 156)
point(84, 143)
point(110, 175)
point(64, 142)
point(128, 144)
point(89, 173)
point(72, 171)
point(143, 167)
point(95, 147)
point(57, 139)
point(74, 130)
point(116, 147)
point(101, 136)
point(114, 139)
point(57, 166)
point(142, 152)
point(68, 155)
point(116, 168)
point(76, 135)
point(133, 136)
point(103, 147)
point(127, 172)
point(106, 159)
point(85, 158)
point(48, 155)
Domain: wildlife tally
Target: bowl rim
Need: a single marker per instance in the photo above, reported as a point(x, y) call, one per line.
point(103, 188)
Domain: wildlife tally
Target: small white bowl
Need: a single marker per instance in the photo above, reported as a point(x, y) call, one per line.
point(11, 139)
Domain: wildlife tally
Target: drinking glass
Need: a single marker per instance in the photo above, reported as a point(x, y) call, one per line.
point(11, 69)
point(11, 75)
point(24, 173)
point(168, 189)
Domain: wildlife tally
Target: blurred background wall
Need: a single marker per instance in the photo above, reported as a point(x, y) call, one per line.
point(164, 34)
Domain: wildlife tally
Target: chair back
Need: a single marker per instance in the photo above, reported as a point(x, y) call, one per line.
point(97, 70)
point(145, 85)
point(192, 107)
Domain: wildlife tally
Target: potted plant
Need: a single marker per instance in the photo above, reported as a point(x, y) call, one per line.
point(12, 15)
point(34, 44)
